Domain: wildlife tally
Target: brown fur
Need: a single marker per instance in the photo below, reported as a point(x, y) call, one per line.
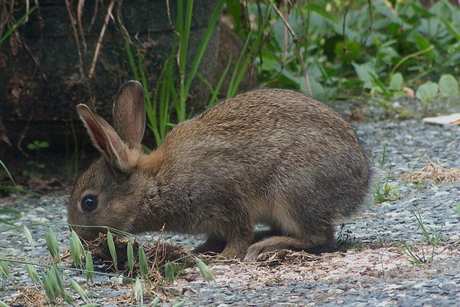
point(269, 156)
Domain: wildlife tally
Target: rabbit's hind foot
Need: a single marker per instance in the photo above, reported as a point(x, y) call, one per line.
point(282, 242)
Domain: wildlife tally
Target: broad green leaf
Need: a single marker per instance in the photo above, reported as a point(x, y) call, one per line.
point(448, 86)
point(423, 44)
point(366, 73)
point(396, 82)
point(321, 11)
point(427, 92)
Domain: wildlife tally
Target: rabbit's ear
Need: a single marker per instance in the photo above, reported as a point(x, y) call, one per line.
point(113, 149)
point(129, 113)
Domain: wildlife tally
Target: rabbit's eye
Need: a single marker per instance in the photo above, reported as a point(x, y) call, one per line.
point(89, 203)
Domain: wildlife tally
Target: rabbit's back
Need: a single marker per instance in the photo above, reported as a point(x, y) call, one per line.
point(283, 153)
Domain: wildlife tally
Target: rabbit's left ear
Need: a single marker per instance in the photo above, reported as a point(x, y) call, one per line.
point(129, 113)
point(104, 137)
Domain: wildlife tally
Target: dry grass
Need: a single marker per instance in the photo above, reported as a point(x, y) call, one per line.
point(434, 172)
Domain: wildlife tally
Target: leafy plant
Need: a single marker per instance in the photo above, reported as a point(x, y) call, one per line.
point(373, 45)
point(383, 191)
point(35, 165)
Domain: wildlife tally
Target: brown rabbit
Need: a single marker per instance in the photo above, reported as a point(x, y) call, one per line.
point(269, 156)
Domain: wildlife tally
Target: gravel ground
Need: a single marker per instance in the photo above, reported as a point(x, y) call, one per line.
point(373, 271)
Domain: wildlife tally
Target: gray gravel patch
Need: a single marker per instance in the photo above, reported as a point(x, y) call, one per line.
point(372, 272)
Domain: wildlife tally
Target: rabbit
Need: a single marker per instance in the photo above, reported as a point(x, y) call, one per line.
point(270, 156)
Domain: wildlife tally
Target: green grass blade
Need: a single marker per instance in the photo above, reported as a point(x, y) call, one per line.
point(143, 264)
point(16, 24)
point(112, 249)
point(130, 256)
point(89, 267)
point(4, 268)
point(132, 62)
point(155, 302)
point(170, 276)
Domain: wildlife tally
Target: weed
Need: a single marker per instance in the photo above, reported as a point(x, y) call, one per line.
point(383, 190)
point(35, 166)
point(432, 239)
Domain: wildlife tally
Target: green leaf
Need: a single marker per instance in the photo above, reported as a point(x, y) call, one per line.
point(321, 11)
point(143, 264)
point(427, 92)
point(5, 270)
point(155, 302)
point(169, 272)
point(79, 290)
point(27, 234)
point(17, 24)
point(51, 243)
point(49, 290)
point(139, 291)
point(57, 282)
point(32, 273)
point(76, 249)
point(130, 255)
point(89, 267)
point(180, 304)
point(366, 73)
point(396, 82)
point(458, 208)
point(112, 249)
point(448, 86)
point(423, 44)
point(2, 304)
point(204, 269)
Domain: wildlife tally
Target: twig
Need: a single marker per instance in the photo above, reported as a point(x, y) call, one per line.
point(299, 53)
point(81, 3)
point(101, 37)
point(75, 33)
